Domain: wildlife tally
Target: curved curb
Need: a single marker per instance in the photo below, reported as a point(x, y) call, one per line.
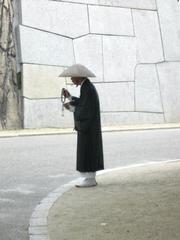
point(38, 224)
point(38, 221)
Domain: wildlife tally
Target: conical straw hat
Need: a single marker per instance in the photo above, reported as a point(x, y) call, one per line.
point(77, 70)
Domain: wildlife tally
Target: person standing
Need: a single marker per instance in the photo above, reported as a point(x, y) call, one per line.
point(87, 123)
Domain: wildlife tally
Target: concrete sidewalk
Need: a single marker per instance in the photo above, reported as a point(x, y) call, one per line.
point(135, 203)
point(114, 128)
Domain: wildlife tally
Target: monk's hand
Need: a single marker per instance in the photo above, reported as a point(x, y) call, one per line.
point(67, 105)
point(66, 93)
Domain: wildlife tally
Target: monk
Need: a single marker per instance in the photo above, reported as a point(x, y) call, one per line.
point(87, 123)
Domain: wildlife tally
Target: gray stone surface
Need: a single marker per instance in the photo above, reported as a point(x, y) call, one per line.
point(45, 113)
point(88, 51)
point(116, 96)
point(119, 58)
point(131, 118)
point(110, 20)
point(38, 221)
point(169, 14)
point(169, 76)
point(38, 230)
point(148, 36)
point(45, 48)
point(81, 1)
point(56, 17)
point(148, 4)
point(110, 37)
point(40, 237)
point(40, 81)
point(147, 89)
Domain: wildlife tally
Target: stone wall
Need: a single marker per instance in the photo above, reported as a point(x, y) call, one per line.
point(133, 47)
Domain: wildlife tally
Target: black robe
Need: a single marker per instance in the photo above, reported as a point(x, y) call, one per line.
point(88, 126)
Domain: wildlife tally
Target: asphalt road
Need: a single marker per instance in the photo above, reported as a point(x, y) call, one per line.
point(31, 167)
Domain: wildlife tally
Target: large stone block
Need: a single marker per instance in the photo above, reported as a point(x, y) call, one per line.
point(148, 36)
point(147, 90)
point(108, 119)
point(40, 81)
point(45, 48)
point(110, 20)
point(58, 17)
point(113, 96)
point(119, 58)
point(116, 96)
point(88, 51)
point(81, 1)
point(170, 88)
point(169, 14)
point(43, 113)
point(142, 4)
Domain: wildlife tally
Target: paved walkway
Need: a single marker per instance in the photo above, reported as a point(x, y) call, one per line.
point(135, 203)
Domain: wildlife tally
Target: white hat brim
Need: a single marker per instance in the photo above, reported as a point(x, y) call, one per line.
point(77, 70)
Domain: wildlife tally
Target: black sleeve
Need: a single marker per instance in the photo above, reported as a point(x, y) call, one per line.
point(74, 101)
point(84, 112)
